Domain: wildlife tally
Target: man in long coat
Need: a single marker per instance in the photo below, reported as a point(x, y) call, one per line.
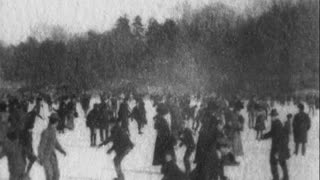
point(301, 124)
point(279, 151)
point(92, 124)
point(123, 114)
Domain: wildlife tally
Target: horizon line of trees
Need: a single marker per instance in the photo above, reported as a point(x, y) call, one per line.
point(212, 49)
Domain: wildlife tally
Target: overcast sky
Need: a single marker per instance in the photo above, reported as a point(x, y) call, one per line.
point(19, 18)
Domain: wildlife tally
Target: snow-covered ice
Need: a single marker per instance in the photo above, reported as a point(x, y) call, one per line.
point(85, 163)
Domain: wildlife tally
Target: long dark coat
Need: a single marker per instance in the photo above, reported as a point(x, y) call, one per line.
point(104, 116)
point(164, 141)
point(279, 141)
point(301, 124)
point(85, 102)
point(123, 115)
point(206, 137)
point(92, 119)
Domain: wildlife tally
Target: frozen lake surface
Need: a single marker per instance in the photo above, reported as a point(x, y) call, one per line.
point(85, 163)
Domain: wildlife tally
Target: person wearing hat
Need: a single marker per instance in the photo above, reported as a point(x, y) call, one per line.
point(279, 151)
point(46, 149)
point(301, 124)
point(92, 123)
point(234, 126)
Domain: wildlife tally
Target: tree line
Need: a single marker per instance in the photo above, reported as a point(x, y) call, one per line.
point(212, 48)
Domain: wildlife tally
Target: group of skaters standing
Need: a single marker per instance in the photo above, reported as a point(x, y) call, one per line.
point(217, 121)
point(16, 132)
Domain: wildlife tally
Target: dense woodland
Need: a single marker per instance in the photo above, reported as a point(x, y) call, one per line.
point(212, 48)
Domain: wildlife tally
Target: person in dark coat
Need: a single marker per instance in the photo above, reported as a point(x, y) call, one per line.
point(260, 121)
point(214, 165)
point(171, 171)
point(4, 116)
point(287, 130)
point(279, 151)
point(92, 123)
point(26, 139)
point(103, 119)
point(164, 141)
point(122, 145)
point(176, 116)
point(85, 102)
point(187, 140)
point(206, 133)
point(301, 124)
point(251, 111)
point(62, 112)
point(11, 148)
point(139, 114)
point(123, 114)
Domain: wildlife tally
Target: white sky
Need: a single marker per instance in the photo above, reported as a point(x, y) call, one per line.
point(19, 18)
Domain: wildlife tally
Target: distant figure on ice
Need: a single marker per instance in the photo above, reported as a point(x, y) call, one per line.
point(11, 148)
point(301, 124)
point(46, 150)
point(279, 147)
point(251, 111)
point(234, 126)
point(92, 124)
point(122, 145)
point(123, 113)
point(71, 112)
point(187, 140)
point(165, 141)
point(104, 118)
point(139, 114)
point(171, 171)
point(85, 102)
point(287, 130)
point(260, 121)
point(4, 116)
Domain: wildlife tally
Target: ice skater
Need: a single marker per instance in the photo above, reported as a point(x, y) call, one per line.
point(46, 150)
point(279, 147)
point(122, 145)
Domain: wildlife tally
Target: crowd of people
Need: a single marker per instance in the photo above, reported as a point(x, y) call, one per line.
point(217, 121)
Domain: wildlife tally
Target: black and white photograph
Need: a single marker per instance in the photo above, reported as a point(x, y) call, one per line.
point(159, 90)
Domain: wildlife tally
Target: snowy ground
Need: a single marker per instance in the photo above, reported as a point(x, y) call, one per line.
point(85, 163)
